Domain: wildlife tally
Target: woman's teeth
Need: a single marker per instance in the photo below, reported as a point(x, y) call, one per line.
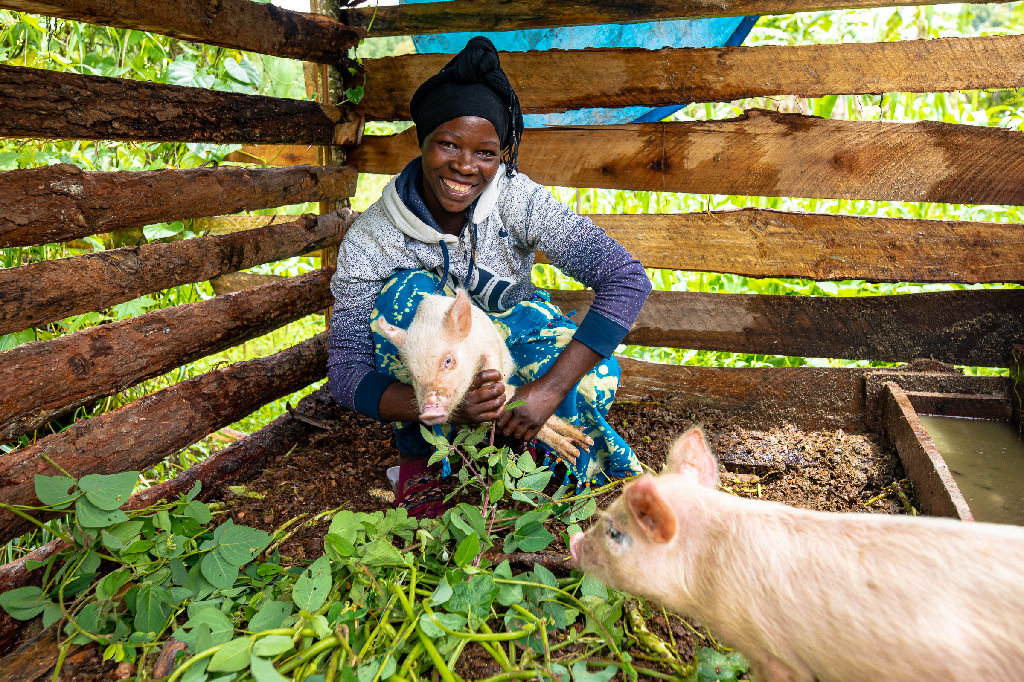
point(457, 187)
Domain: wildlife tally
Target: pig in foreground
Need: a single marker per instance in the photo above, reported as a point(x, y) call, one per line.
point(448, 342)
point(812, 595)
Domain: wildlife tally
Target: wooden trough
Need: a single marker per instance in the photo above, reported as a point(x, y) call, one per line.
point(321, 148)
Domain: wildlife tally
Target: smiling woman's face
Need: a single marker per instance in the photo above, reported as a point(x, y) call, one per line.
point(460, 158)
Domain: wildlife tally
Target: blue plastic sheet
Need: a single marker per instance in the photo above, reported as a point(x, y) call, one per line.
point(650, 35)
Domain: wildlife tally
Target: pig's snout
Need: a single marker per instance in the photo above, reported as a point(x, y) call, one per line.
point(434, 410)
point(574, 548)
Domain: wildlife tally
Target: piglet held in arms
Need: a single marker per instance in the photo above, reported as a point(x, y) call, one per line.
point(447, 344)
point(808, 595)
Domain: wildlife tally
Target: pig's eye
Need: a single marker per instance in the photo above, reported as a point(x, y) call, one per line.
point(615, 534)
point(449, 362)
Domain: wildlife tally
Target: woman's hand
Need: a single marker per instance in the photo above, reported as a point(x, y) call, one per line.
point(483, 401)
point(525, 421)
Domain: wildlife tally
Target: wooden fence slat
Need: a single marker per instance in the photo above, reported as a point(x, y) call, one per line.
point(238, 24)
point(101, 361)
point(37, 103)
point(959, 327)
point(809, 397)
point(36, 294)
point(142, 433)
point(63, 202)
point(554, 80)
point(763, 153)
point(766, 243)
point(509, 15)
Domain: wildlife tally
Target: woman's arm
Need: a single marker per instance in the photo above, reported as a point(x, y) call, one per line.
point(544, 394)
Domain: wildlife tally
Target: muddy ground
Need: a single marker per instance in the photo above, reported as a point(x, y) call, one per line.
point(345, 465)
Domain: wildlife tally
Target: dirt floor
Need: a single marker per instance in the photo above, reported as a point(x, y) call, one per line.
point(823, 470)
point(345, 465)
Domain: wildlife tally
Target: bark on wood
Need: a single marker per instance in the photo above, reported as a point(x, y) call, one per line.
point(239, 24)
point(763, 243)
point(446, 17)
point(959, 327)
point(764, 153)
point(62, 202)
point(64, 373)
point(236, 463)
point(548, 81)
point(36, 294)
point(37, 103)
point(144, 432)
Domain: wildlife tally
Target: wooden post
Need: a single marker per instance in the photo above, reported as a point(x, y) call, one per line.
point(331, 90)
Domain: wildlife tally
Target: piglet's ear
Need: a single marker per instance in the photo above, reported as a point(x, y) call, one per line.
point(394, 334)
point(459, 318)
point(691, 458)
point(649, 509)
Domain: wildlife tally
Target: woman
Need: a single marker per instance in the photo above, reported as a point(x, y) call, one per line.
point(461, 215)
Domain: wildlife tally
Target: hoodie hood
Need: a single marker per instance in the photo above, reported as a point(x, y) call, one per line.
point(406, 219)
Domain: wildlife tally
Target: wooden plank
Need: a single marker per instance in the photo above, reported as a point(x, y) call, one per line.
point(142, 433)
point(935, 491)
point(763, 153)
point(508, 15)
point(555, 80)
point(48, 104)
point(275, 155)
point(103, 360)
point(240, 281)
point(765, 243)
point(810, 397)
point(39, 293)
point(63, 202)
point(960, 327)
point(967, 405)
point(238, 24)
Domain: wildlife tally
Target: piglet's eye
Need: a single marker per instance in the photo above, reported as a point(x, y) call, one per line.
point(448, 361)
point(615, 534)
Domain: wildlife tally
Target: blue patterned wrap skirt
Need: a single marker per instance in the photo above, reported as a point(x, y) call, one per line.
point(535, 332)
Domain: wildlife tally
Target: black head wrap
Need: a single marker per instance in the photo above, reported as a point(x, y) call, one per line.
point(472, 84)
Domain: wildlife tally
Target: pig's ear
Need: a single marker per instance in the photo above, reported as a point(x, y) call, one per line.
point(459, 318)
point(395, 334)
point(650, 510)
point(691, 458)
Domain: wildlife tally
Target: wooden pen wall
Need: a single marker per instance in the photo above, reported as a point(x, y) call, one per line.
point(761, 153)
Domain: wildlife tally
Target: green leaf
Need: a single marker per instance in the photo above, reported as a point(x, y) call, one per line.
point(198, 511)
point(452, 621)
point(162, 231)
point(109, 491)
point(53, 490)
point(355, 95)
point(592, 587)
point(346, 524)
point(264, 671)
point(581, 674)
point(535, 481)
point(497, 491)
point(381, 552)
point(468, 549)
point(151, 608)
point(51, 614)
point(219, 572)
point(271, 615)
point(533, 537)
point(442, 593)
point(526, 463)
point(477, 594)
point(112, 583)
point(91, 516)
point(713, 665)
point(313, 585)
point(338, 547)
point(220, 626)
point(231, 656)
point(272, 645)
point(239, 544)
point(196, 488)
point(24, 603)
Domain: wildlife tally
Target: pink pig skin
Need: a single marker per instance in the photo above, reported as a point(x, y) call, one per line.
point(812, 595)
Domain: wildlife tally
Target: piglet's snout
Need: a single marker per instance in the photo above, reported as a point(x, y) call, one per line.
point(434, 410)
point(574, 548)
